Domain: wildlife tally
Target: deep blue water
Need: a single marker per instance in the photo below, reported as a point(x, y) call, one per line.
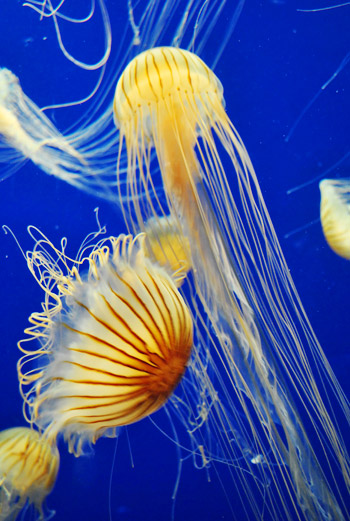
point(275, 62)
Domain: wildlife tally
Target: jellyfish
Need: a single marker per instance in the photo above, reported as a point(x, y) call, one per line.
point(335, 214)
point(244, 301)
point(28, 469)
point(114, 341)
point(165, 243)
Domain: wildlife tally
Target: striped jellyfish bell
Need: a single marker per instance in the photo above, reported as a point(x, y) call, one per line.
point(114, 341)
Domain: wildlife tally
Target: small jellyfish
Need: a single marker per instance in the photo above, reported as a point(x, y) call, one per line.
point(28, 468)
point(168, 246)
point(185, 158)
point(335, 214)
point(116, 341)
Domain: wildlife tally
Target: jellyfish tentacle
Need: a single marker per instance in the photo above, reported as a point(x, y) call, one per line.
point(48, 11)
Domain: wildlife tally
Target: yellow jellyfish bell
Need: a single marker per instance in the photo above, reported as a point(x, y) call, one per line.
point(167, 245)
point(254, 336)
point(28, 468)
point(154, 101)
point(116, 341)
point(335, 214)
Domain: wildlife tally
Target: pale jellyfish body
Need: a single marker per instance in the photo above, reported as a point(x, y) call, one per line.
point(335, 214)
point(27, 133)
point(167, 99)
point(28, 470)
point(32, 137)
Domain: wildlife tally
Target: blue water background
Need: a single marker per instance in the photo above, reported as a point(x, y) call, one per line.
point(275, 62)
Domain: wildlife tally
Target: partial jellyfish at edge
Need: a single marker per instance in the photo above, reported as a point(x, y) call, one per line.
point(335, 214)
point(28, 469)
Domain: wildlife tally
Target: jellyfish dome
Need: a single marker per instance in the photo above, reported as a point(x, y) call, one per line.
point(167, 245)
point(116, 342)
point(28, 469)
point(335, 214)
